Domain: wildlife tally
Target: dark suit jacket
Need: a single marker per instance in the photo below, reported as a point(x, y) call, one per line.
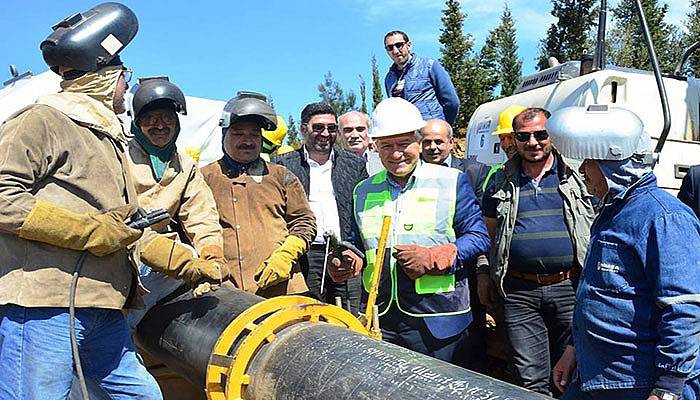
point(475, 171)
point(348, 170)
point(690, 189)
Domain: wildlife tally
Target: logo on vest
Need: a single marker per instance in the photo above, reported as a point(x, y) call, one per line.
point(407, 227)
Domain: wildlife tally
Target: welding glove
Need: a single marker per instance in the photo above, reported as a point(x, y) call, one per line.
point(176, 260)
point(216, 254)
point(278, 267)
point(417, 261)
point(99, 233)
point(344, 266)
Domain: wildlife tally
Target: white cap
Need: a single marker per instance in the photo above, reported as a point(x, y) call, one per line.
point(394, 116)
point(598, 132)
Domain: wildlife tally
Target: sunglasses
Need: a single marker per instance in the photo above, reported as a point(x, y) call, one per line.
point(525, 136)
point(152, 119)
point(398, 45)
point(318, 128)
point(356, 128)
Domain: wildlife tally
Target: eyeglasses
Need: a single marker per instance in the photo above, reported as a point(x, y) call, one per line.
point(152, 119)
point(127, 73)
point(525, 136)
point(398, 45)
point(318, 128)
point(349, 129)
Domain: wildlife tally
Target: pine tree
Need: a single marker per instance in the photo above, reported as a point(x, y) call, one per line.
point(693, 26)
point(293, 133)
point(363, 95)
point(567, 39)
point(456, 57)
point(270, 100)
point(488, 73)
point(377, 94)
point(510, 65)
point(627, 43)
point(332, 94)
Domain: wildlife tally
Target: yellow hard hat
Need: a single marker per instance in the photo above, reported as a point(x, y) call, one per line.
point(505, 119)
point(277, 136)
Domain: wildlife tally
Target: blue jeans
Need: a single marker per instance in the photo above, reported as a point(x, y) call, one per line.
point(538, 326)
point(691, 391)
point(36, 360)
point(159, 286)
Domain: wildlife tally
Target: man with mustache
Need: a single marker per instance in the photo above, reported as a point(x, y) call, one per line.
point(436, 229)
point(328, 175)
point(538, 214)
point(168, 178)
point(262, 206)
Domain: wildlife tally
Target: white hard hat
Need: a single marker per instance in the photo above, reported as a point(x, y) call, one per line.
point(598, 132)
point(394, 116)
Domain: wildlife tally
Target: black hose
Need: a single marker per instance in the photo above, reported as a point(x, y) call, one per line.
point(73, 338)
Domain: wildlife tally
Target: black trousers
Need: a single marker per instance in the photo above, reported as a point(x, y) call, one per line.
point(348, 291)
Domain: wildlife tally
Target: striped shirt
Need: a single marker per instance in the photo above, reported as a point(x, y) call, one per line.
point(541, 243)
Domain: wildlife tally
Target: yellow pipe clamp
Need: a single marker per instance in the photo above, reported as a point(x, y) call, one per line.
point(227, 373)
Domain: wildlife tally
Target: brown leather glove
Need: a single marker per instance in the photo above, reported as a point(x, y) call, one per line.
point(174, 259)
point(99, 233)
point(215, 253)
point(343, 268)
point(417, 260)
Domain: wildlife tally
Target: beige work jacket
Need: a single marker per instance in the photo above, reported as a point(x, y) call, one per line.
point(259, 209)
point(68, 149)
point(183, 193)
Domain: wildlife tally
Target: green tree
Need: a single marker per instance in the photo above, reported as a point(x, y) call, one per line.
point(510, 66)
point(487, 73)
point(456, 57)
point(377, 94)
point(332, 94)
point(627, 44)
point(693, 26)
point(363, 95)
point(270, 100)
point(567, 39)
point(293, 138)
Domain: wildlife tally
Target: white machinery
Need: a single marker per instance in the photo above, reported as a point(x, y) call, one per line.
point(581, 83)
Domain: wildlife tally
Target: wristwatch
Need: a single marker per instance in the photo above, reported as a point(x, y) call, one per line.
point(665, 395)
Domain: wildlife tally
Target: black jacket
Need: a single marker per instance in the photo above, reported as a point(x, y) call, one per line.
point(348, 170)
point(476, 172)
point(690, 189)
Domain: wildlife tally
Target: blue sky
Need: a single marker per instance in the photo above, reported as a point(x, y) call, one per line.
point(215, 48)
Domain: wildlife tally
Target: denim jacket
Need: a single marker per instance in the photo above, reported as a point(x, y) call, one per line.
point(637, 315)
point(578, 213)
point(428, 86)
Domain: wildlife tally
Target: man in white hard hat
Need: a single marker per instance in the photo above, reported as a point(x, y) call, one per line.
point(637, 314)
point(436, 229)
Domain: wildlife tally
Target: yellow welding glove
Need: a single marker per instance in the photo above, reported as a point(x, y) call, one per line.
point(176, 260)
point(278, 267)
point(99, 233)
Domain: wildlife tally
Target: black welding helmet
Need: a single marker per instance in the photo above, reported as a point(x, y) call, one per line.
point(249, 106)
point(90, 40)
point(157, 92)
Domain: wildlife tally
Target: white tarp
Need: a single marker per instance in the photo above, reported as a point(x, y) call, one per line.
point(200, 134)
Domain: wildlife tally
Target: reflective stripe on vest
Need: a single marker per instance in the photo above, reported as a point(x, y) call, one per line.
point(425, 218)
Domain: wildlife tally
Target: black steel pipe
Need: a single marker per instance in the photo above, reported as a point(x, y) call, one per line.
point(308, 360)
point(679, 67)
point(659, 81)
